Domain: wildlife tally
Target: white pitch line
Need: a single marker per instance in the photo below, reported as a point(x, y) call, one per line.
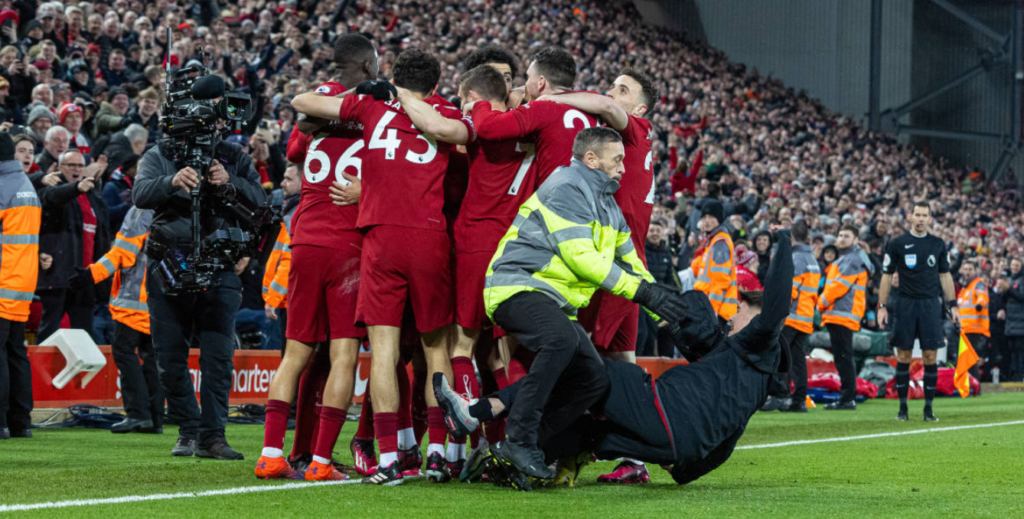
point(294, 486)
point(879, 435)
point(163, 497)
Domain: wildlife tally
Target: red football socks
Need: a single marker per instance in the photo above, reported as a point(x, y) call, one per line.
point(500, 378)
point(276, 423)
point(386, 425)
point(437, 430)
point(310, 395)
point(365, 429)
point(331, 421)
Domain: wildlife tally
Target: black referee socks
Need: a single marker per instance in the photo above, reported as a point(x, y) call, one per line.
point(482, 410)
point(903, 384)
point(931, 376)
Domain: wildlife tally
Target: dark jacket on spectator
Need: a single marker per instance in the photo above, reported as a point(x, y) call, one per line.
point(153, 124)
point(659, 263)
point(1015, 306)
point(107, 120)
point(117, 194)
point(44, 160)
point(60, 234)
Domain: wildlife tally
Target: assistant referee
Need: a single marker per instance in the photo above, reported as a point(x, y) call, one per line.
point(922, 262)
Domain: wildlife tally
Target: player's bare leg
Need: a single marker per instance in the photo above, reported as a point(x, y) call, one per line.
point(384, 348)
point(436, 347)
point(283, 387)
point(337, 399)
point(624, 356)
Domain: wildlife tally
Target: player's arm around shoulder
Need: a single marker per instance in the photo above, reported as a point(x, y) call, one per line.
point(318, 105)
point(431, 122)
point(597, 105)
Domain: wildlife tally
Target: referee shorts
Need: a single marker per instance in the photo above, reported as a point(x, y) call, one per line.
point(918, 319)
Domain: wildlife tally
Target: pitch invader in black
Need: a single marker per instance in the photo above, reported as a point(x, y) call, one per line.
point(922, 262)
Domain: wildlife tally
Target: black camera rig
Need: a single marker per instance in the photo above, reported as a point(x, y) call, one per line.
point(196, 102)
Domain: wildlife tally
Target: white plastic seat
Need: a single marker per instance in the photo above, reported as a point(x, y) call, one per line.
point(82, 355)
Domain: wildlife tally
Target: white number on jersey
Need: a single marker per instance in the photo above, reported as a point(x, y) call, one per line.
point(654, 181)
point(347, 160)
point(425, 157)
point(531, 153)
point(571, 116)
point(390, 142)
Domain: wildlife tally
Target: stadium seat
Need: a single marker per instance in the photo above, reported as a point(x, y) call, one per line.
point(82, 354)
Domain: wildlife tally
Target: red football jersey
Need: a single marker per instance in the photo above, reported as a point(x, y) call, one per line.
point(324, 157)
point(636, 192)
point(403, 170)
point(502, 175)
point(552, 126)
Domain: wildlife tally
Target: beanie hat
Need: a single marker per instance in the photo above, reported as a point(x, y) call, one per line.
point(714, 208)
point(745, 257)
point(67, 109)
point(114, 92)
point(747, 280)
point(8, 14)
point(37, 112)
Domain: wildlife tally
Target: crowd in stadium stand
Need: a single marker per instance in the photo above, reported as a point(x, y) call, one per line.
point(767, 152)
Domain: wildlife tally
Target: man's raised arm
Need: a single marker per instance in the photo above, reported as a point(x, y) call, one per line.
point(430, 122)
point(317, 105)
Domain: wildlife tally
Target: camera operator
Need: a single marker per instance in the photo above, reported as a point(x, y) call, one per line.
point(207, 317)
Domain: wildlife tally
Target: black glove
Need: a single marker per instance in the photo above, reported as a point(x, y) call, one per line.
point(662, 300)
point(6, 147)
point(380, 90)
point(81, 280)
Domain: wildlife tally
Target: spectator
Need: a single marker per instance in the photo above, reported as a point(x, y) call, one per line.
point(763, 249)
point(117, 193)
point(43, 95)
point(1015, 322)
point(146, 113)
point(56, 142)
point(111, 116)
point(659, 262)
point(115, 74)
point(75, 233)
point(71, 118)
point(5, 90)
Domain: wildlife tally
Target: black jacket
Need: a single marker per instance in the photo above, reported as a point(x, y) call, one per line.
point(173, 205)
point(659, 263)
point(1015, 307)
point(708, 403)
point(60, 234)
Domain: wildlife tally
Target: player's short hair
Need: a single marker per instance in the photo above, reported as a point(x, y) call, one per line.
point(556, 65)
point(492, 54)
point(850, 227)
point(486, 81)
point(352, 48)
point(648, 92)
point(922, 204)
point(593, 139)
point(799, 231)
point(751, 297)
point(416, 70)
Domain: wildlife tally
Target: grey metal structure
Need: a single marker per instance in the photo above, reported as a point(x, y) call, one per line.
point(1008, 52)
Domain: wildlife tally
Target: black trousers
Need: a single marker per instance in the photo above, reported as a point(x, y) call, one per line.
point(15, 377)
point(567, 375)
point(208, 319)
point(841, 338)
point(140, 385)
point(778, 385)
point(60, 301)
point(624, 423)
point(1016, 347)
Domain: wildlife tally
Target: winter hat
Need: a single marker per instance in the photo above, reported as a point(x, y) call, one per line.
point(37, 112)
point(747, 280)
point(67, 109)
point(8, 14)
point(714, 208)
point(745, 257)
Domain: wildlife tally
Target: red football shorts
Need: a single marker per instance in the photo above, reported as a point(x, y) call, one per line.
point(400, 264)
point(323, 284)
point(470, 274)
point(612, 320)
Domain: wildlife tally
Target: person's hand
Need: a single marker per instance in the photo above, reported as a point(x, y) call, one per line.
point(218, 175)
point(80, 280)
point(270, 312)
point(1001, 315)
point(380, 90)
point(663, 300)
point(51, 178)
point(185, 178)
point(515, 98)
point(241, 265)
point(954, 317)
point(467, 108)
point(96, 169)
point(86, 184)
point(6, 126)
point(342, 195)
point(883, 317)
point(45, 261)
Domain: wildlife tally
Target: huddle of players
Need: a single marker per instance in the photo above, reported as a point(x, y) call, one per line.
point(379, 268)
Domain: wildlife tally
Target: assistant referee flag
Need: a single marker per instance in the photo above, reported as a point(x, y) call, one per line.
point(964, 361)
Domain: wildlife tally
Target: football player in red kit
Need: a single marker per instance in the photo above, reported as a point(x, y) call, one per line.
point(323, 281)
point(406, 249)
point(613, 320)
point(552, 126)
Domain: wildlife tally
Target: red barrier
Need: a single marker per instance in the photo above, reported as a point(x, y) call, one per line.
point(254, 369)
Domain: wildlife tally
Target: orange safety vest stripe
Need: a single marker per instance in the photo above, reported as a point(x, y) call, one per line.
point(718, 280)
point(19, 259)
point(972, 320)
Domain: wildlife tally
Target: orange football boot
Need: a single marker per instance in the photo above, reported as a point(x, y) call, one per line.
point(323, 472)
point(275, 468)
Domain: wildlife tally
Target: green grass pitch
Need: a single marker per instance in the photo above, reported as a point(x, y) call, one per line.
point(976, 472)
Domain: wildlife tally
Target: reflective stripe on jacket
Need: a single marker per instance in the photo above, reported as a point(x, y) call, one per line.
point(568, 240)
point(845, 297)
point(973, 320)
point(275, 275)
point(806, 278)
point(20, 217)
point(715, 274)
point(126, 261)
